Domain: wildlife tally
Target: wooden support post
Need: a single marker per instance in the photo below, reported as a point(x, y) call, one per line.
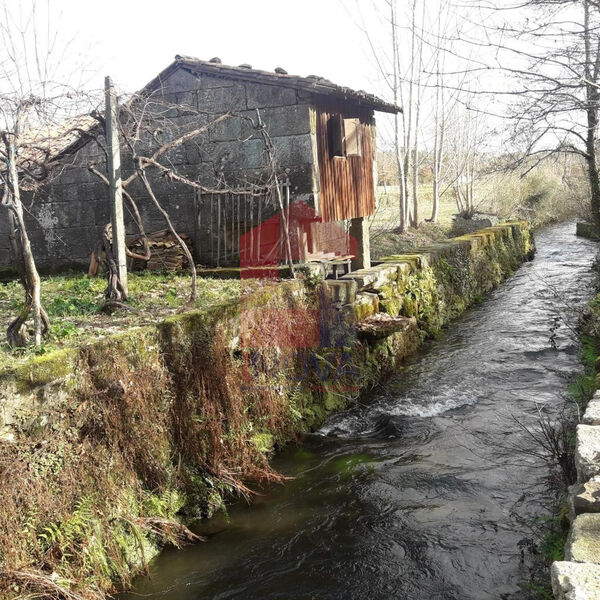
point(115, 187)
point(359, 230)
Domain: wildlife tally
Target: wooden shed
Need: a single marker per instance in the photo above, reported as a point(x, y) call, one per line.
point(323, 139)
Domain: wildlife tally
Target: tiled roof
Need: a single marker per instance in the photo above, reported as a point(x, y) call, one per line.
point(43, 145)
point(312, 84)
point(48, 144)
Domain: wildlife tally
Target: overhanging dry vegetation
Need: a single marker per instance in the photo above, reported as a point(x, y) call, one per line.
point(156, 426)
point(160, 425)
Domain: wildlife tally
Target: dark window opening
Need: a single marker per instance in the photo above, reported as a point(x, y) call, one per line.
point(343, 136)
point(335, 135)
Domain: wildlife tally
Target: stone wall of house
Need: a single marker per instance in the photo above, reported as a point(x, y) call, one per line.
point(66, 218)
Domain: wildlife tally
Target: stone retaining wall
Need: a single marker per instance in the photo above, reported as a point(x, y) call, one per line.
point(578, 576)
point(587, 230)
point(146, 396)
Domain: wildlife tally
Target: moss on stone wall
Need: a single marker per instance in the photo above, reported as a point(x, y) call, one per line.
point(588, 230)
point(109, 448)
point(438, 283)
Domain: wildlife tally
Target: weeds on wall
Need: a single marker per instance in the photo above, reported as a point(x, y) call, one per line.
point(88, 505)
point(161, 428)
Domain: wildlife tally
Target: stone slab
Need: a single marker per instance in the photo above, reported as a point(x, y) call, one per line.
point(583, 543)
point(585, 497)
point(587, 452)
point(382, 326)
point(592, 412)
point(575, 581)
point(374, 277)
point(425, 257)
point(343, 291)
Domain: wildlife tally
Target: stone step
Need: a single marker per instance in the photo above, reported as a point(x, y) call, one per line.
point(592, 412)
point(583, 543)
point(575, 581)
point(587, 452)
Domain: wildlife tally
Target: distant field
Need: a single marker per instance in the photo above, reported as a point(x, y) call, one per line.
point(386, 215)
point(385, 221)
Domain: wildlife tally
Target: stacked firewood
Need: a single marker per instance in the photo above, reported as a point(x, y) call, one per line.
point(165, 251)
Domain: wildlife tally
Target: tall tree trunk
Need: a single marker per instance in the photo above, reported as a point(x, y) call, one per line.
point(417, 102)
point(415, 186)
point(16, 333)
point(438, 138)
point(401, 172)
point(594, 190)
point(435, 209)
point(592, 98)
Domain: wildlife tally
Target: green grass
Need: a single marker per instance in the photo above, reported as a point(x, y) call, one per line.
point(388, 202)
point(74, 301)
point(386, 220)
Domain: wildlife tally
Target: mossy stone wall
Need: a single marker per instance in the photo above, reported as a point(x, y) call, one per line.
point(162, 424)
point(588, 230)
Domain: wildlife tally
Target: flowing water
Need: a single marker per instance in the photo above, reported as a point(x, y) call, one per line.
point(420, 491)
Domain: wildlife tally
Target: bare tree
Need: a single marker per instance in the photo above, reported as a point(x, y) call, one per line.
point(542, 60)
point(34, 99)
point(399, 149)
point(411, 44)
point(152, 131)
point(443, 102)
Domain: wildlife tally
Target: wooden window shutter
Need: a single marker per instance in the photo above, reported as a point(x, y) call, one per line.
point(352, 132)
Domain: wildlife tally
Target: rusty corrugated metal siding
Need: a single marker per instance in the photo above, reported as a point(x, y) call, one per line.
point(347, 189)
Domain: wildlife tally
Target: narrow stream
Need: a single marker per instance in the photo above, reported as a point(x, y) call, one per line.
point(414, 493)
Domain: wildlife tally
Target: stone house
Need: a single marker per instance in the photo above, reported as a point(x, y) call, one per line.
point(323, 141)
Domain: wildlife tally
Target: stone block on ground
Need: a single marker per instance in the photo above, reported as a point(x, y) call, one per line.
point(587, 452)
point(592, 412)
point(575, 581)
point(585, 497)
point(341, 290)
point(583, 543)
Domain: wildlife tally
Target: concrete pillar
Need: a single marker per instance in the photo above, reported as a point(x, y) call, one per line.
point(359, 230)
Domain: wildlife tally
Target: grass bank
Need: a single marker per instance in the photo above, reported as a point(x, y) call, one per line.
point(544, 195)
point(74, 303)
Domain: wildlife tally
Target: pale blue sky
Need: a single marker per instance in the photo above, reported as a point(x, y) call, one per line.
point(133, 40)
